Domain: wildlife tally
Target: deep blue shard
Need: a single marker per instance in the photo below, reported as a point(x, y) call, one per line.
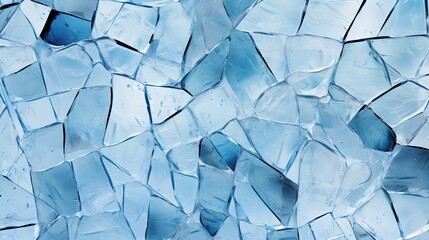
point(373, 132)
point(212, 220)
point(63, 29)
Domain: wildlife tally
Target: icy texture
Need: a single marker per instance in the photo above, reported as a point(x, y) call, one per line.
point(214, 119)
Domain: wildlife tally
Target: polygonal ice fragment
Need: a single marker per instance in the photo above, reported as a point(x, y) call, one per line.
point(80, 8)
point(215, 188)
point(212, 220)
point(186, 190)
point(18, 57)
point(27, 84)
point(36, 114)
point(62, 103)
point(19, 29)
point(9, 149)
point(104, 226)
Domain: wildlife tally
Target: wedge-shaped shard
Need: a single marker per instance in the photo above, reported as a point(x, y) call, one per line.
point(104, 17)
point(99, 76)
point(278, 104)
point(18, 233)
point(285, 140)
point(36, 114)
point(270, 16)
point(19, 29)
point(6, 12)
point(377, 217)
point(18, 206)
point(370, 19)
point(80, 8)
point(400, 103)
point(26, 84)
point(236, 9)
point(119, 58)
point(177, 130)
point(228, 230)
point(66, 69)
point(61, 103)
point(165, 101)
point(184, 159)
point(321, 174)
point(86, 122)
point(286, 234)
point(360, 233)
point(305, 53)
point(421, 140)
point(405, 55)
point(19, 173)
point(133, 155)
point(136, 208)
point(245, 70)
point(408, 172)
point(130, 18)
point(160, 177)
point(164, 219)
point(9, 149)
point(228, 150)
point(210, 156)
point(412, 212)
point(192, 231)
point(95, 191)
point(408, 130)
point(57, 187)
point(186, 190)
point(18, 57)
point(104, 226)
point(215, 188)
point(44, 147)
point(213, 109)
point(129, 115)
point(208, 72)
point(326, 227)
point(235, 131)
point(407, 18)
point(252, 232)
point(359, 67)
point(63, 29)
point(212, 220)
point(373, 131)
point(311, 83)
point(329, 18)
point(58, 230)
point(252, 205)
point(277, 191)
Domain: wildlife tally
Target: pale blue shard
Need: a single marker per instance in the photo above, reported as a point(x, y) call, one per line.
point(19, 173)
point(185, 158)
point(164, 219)
point(165, 102)
point(237, 9)
point(66, 69)
point(286, 140)
point(58, 230)
point(80, 8)
point(36, 114)
point(228, 230)
point(130, 18)
point(210, 156)
point(136, 208)
point(278, 104)
point(104, 226)
point(208, 71)
point(227, 149)
point(95, 191)
point(406, 131)
point(9, 148)
point(27, 84)
point(407, 18)
point(285, 234)
point(192, 231)
point(277, 191)
point(129, 114)
point(177, 130)
point(41, 151)
point(186, 190)
point(118, 58)
point(215, 188)
point(400, 103)
point(270, 16)
point(311, 83)
point(18, 233)
point(5, 14)
point(329, 18)
point(57, 187)
point(245, 70)
point(104, 17)
point(19, 29)
point(18, 207)
point(61, 103)
point(99, 76)
point(420, 139)
point(373, 132)
point(326, 227)
point(86, 122)
point(19, 56)
point(213, 109)
point(252, 232)
point(133, 156)
point(408, 172)
point(212, 220)
point(359, 67)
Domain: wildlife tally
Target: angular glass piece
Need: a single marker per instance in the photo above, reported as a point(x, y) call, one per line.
point(63, 29)
point(136, 208)
point(406, 131)
point(400, 103)
point(44, 147)
point(164, 219)
point(165, 101)
point(36, 114)
point(18, 233)
point(270, 16)
point(186, 190)
point(377, 217)
point(80, 8)
point(329, 18)
point(286, 234)
point(18, 57)
point(9, 149)
point(19, 29)
point(57, 187)
point(215, 188)
point(185, 158)
point(130, 18)
point(228, 230)
point(210, 156)
point(133, 155)
point(86, 122)
point(360, 67)
point(19, 173)
point(129, 114)
point(373, 131)
point(321, 174)
point(278, 104)
point(311, 83)
point(407, 173)
point(252, 232)
point(236, 9)
point(66, 69)
point(62, 103)
point(421, 139)
point(228, 150)
point(26, 84)
point(37, 14)
point(104, 226)
point(212, 220)
point(57, 230)
point(99, 76)
point(208, 72)
point(326, 227)
point(192, 231)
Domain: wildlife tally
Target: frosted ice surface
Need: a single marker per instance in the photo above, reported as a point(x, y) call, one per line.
point(214, 119)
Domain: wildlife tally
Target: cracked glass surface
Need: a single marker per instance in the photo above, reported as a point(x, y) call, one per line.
point(214, 119)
